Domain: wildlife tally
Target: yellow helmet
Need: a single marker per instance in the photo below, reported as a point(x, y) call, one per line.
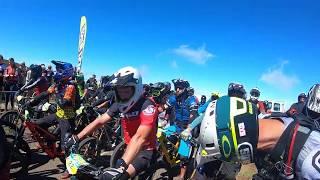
point(215, 95)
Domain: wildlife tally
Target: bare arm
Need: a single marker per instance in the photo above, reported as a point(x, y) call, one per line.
point(136, 143)
point(103, 104)
point(270, 131)
point(96, 124)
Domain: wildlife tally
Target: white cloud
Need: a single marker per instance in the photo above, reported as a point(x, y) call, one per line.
point(198, 55)
point(278, 78)
point(174, 64)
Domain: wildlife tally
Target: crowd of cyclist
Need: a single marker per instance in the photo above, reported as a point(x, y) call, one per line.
point(219, 121)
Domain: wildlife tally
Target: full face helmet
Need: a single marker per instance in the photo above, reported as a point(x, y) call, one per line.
point(127, 76)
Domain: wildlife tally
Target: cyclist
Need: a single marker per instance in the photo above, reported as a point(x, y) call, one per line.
point(290, 151)
point(184, 108)
point(298, 106)
point(90, 87)
point(190, 91)
point(104, 96)
point(254, 95)
point(50, 74)
point(208, 169)
point(234, 90)
point(254, 99)
point(214, 96)
point(79, 77)
point(139, 118)
point(237, 90)
point(203, 100)
point(38, 82)
point(67, 99)
point(159, 92)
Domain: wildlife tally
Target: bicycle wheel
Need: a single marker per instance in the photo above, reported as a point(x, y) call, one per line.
point(20, 156)
point(11, 120)
point(88, 149)
point(117, 153)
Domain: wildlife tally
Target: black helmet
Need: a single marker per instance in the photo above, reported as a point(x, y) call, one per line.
point(105, 83)
point(313, 102)
point(104, 80)
point(146, 88)
point(203, 99)
point(36, 71)
point(236, 90)
point(302, 97)
point(254, 93)
point(179, 83)
point(160, 90)
point(190, 91)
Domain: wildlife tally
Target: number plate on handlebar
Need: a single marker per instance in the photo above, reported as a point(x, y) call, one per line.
point(73, 162)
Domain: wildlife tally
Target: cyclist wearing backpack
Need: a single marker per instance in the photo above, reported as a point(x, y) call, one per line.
point(233, 133)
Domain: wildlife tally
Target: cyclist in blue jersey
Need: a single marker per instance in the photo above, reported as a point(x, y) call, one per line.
point(185, 109)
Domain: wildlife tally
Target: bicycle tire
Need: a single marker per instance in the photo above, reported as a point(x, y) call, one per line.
point(92, 142)
point(21, 154)
point(11, 119)
point(117, 153)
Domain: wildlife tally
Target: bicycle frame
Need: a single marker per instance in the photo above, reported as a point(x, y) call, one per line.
point(102, 135)
point(172, 159)
point(43, 137)
point(46, 140)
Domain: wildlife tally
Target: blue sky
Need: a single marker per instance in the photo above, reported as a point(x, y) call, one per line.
point(273, 45)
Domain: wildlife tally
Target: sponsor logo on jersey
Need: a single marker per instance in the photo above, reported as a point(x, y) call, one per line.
point(149, 110)
point(242, 129)
point(131, 114)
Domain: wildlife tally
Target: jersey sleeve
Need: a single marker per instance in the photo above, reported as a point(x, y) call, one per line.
point(171, 101)
point(203, 107)
point(113, 110)
point(197, 121)
point(149, 114)
point(193, 105)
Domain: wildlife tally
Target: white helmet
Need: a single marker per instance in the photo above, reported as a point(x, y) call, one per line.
point(313, 103)
point(128, 76)
point(209, 149)
point(229, 131)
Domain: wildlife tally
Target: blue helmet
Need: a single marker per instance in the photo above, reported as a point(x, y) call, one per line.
point(64, 71)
